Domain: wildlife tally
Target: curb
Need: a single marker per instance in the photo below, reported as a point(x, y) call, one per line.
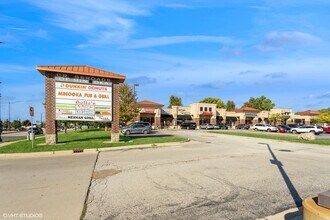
point(90, 150)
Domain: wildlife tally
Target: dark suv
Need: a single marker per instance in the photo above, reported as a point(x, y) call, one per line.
point(243, 126)
point(188, 125)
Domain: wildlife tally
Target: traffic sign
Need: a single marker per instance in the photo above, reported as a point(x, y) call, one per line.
point(31, 111)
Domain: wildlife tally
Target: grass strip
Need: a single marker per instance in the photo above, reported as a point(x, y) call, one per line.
point(273, 137)
point(85, 140)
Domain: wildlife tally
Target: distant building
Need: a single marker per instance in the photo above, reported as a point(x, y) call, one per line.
point(203, 113)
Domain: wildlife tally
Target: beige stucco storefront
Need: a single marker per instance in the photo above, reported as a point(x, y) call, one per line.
point(203, 113)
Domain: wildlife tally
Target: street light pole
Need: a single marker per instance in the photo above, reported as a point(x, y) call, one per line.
point(135, 84)
point(9, 116)
point(0, 100)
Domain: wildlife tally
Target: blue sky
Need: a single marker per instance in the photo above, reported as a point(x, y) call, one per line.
point(193, 49)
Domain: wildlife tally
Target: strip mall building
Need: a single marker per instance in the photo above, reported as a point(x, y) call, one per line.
point(202, 113)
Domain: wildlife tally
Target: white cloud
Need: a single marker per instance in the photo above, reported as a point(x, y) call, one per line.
point(229, 51)
point(276, 75)
point(290, 38)
point(178, 6)
point(162, 41)
point(141, 80)
point(325, 95)
point(40, 34)
point(103, 22)
point(275, 40)
point(8, 69)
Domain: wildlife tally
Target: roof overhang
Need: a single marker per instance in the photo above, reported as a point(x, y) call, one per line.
point(81, 70)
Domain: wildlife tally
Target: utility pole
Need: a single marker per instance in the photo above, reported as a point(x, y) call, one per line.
point(135, 85)
point(40, 119)
point(0, 100)
point(9, 116)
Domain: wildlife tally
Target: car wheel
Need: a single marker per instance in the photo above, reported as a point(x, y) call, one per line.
point(312, 132)
point(145, 132)
point(127, 132)
point(294, 131)
point(268, 130)
point(188, 128)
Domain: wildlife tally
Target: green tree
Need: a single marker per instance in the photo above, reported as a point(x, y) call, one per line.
point(5, 124)
point(16, 124)
point(230, 105)
point(261, 103)
point(324, 117)
point(276, 118)
point(213, 100)
point(127, 103)
point(325, 110)
point(26, 123)
point(175, 101)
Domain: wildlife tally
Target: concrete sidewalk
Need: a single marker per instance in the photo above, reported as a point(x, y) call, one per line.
point(51, 187)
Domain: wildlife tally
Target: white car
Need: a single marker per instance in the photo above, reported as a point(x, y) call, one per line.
point(264, 127)
point(206, 126)
point(307, 129)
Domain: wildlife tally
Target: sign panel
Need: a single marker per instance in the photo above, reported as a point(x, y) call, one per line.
point(250, 114)
point(83, 102)
point(61, 77)
point(31, 111)
point(148, 110)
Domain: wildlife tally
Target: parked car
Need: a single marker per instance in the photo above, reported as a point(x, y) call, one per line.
point(188, 125)
point(293, 125)
point(243, 126)
point(326, 129)
point(21, 129)
point(264, 127)
point(206, 126)
point(142, 123)
point(136, 129)
point(36, 130)
point(307, 129)
point(220, 126)
point(283, 128)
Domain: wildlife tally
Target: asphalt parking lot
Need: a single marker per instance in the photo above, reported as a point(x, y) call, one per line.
point(13, 135)
point(211, 177)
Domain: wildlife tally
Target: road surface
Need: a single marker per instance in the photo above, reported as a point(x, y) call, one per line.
point(48, 187)
point(211, 177)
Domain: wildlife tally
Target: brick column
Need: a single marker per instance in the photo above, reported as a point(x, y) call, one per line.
point(157, 122)
point(115, 112)
point(51, 123)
